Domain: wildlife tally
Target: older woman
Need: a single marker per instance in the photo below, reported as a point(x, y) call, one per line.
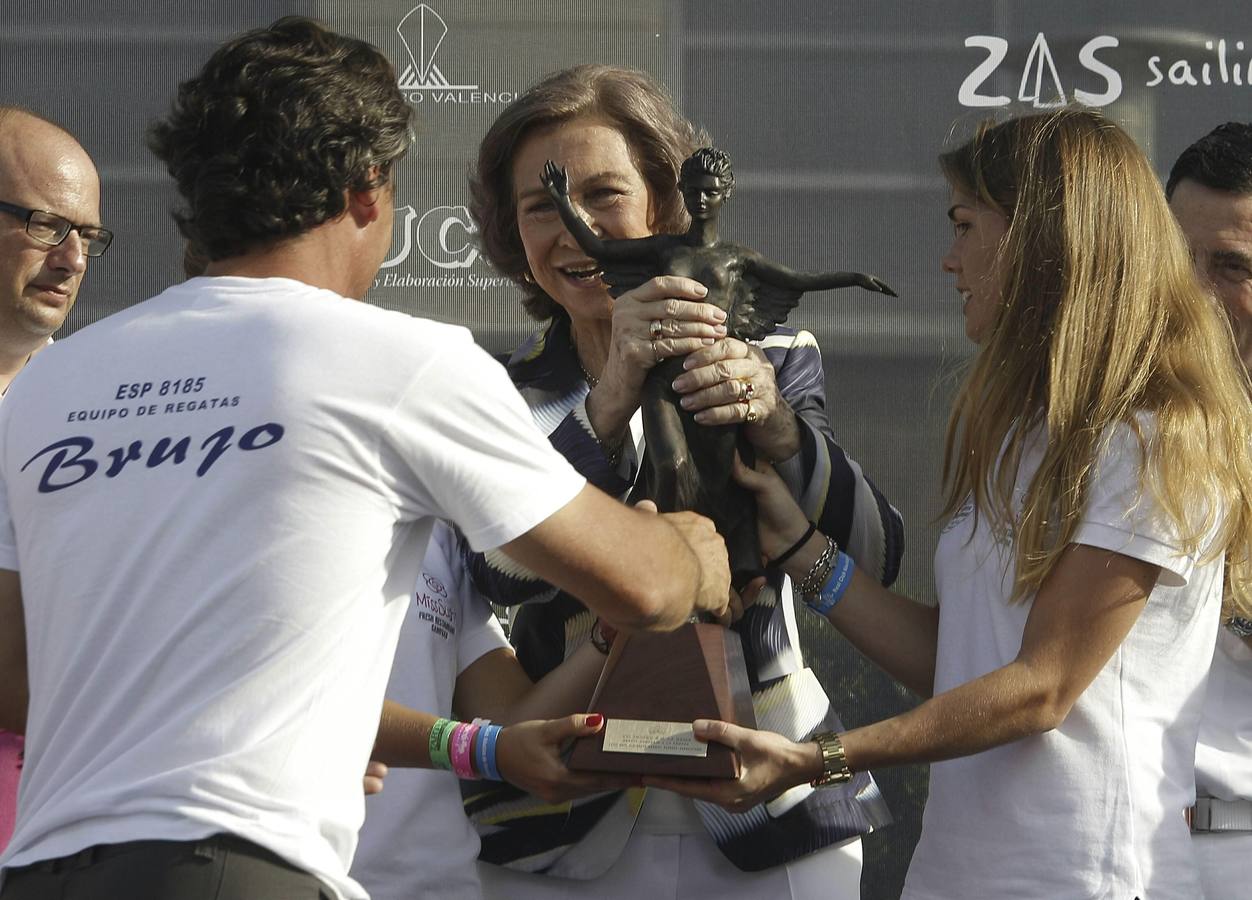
point(1100, 494)
point(622, 143)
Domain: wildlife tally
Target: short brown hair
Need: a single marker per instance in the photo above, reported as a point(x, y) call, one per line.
point(658, 136)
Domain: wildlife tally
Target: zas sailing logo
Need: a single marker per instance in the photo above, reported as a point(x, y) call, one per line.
point(422, 31)
point(1041, 83)
point(1215, 66)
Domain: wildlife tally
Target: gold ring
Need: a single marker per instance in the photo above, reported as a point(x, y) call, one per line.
point(656, 356)
point(654, 329)
point(749, 414)
point(748, 392)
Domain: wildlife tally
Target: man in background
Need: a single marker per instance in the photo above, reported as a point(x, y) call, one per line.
point(49, 227)
point(1210, 192)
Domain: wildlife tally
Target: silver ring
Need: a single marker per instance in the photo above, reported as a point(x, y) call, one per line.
point(749, 414)
point(655, 330)
point(655, 356)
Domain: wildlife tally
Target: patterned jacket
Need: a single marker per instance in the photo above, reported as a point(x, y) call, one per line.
point(581, 839)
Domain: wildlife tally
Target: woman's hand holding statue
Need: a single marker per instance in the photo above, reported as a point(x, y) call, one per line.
point(661, 318)
point(727, 382)
point(732, 383)
point(779, 520)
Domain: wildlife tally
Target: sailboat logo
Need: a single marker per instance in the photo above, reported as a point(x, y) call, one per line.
point(1038, 64)
point(422, 32)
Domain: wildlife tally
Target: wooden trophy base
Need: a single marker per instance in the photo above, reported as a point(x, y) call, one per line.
point(653, 686)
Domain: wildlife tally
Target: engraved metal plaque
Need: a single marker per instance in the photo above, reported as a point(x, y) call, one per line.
point(637, 736)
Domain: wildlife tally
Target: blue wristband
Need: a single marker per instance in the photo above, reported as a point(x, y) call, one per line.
point(836, 583)
point(485, 752)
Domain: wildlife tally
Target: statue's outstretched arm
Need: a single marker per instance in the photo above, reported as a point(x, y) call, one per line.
point(556, 180)
point(785, 277)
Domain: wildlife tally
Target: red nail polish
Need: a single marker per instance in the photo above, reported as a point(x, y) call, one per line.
point(595, 720)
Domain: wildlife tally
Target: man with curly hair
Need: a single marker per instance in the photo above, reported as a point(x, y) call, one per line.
point(218, 501)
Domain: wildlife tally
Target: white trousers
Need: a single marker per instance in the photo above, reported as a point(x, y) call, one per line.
point(689, 867)
point(1222, 858)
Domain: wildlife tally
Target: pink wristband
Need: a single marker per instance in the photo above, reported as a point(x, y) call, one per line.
point(461, 750)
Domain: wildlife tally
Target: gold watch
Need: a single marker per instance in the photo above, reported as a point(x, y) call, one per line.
point(834, 764)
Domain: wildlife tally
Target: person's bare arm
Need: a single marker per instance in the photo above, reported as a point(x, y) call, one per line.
point(1076, 622)
point(893, 631)
point(14, 689)
point(637, 569)
point(496, 687)
point(1078, 619)
point(896, 633)
point(528, 754)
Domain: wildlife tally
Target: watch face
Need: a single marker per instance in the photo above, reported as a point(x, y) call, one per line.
point(1240, 626)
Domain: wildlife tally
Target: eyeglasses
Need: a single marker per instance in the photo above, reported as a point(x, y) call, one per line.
point(51, 229)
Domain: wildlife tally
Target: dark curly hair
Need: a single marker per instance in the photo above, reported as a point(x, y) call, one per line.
point(658, 136)
point(1221, 160)
point(278, 125)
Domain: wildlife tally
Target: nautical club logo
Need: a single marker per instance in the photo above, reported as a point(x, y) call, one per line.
point(422, 31)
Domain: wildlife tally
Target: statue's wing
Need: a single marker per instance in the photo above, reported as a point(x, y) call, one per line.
point(759, 307)
point(623, 275)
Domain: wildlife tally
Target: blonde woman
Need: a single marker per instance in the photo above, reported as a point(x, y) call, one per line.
point(1099, 495)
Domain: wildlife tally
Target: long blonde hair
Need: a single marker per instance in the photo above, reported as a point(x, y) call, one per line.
point(1101, 317)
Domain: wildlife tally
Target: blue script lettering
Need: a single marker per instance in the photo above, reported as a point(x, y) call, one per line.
point(121, 457)
point(161, 452)
point(68, 463)
point(60, 460)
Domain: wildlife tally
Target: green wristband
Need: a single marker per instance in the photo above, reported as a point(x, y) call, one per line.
point(440, 739)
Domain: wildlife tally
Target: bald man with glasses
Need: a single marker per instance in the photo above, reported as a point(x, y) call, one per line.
point(49, 215)
point(49, 228)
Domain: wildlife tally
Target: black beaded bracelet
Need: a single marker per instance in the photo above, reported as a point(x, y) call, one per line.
point(794, 548)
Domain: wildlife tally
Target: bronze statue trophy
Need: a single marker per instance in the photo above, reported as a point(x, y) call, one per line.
point(688, 466)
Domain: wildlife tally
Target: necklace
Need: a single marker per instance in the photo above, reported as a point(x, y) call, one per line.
point(592, 380)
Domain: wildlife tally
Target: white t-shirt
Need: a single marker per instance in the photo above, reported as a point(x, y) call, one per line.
point(1094, 808)
point(416, 843)
point(1223, 754)
point(218, 501)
